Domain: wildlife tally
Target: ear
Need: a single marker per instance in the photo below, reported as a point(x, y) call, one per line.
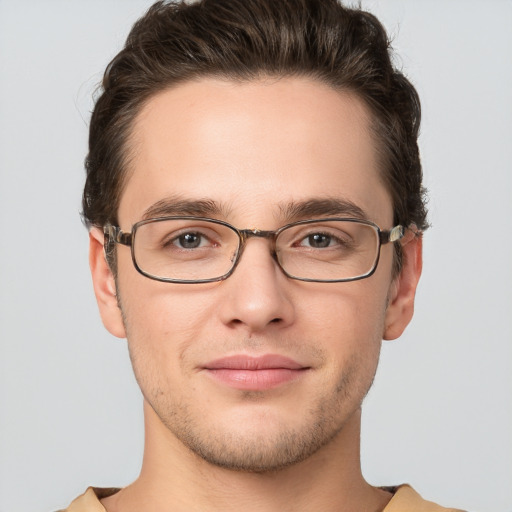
point(403, 289)
point(104, 285)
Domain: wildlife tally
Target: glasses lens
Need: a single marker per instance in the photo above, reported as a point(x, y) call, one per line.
point(185, 249)
point(328, 250)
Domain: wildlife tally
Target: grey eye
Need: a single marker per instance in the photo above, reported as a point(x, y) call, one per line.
point(189, 240)
point(319, 240)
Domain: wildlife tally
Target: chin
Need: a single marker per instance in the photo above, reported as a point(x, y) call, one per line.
point(259, 454)
point(256, 442)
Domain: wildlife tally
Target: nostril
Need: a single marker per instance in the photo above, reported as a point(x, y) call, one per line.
point(275, 320)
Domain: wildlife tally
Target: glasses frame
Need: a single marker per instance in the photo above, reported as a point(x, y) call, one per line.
point(114, 234)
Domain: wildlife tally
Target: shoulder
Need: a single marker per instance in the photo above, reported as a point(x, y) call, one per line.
point(89, 501)
point(406, 499)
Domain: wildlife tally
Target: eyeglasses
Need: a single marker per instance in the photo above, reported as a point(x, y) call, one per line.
point(202, 250)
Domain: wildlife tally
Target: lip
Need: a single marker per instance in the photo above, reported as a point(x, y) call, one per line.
point(255, 373)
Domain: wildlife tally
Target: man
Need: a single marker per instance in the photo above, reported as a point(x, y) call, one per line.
point(255, 207)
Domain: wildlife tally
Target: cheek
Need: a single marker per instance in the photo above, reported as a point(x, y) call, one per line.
point(351, 312)
point(166, 319)
point(155, 309)
point(348, 324)
point(160, 333)
point(162, 322)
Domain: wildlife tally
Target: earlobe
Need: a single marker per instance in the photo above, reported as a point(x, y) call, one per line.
point(104, 285)
point(401, 300)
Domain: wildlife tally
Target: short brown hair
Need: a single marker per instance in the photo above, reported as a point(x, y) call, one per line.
point(345, 48)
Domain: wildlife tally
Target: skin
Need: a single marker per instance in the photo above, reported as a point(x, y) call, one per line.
point(251, 147)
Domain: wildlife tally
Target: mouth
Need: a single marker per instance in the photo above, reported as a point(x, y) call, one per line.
point(249, 373)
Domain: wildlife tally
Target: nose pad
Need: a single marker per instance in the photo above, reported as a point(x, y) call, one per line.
point(236, 253)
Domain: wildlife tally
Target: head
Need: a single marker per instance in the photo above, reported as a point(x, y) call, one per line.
point(253, 111)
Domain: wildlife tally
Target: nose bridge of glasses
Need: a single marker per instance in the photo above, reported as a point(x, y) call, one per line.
point(245, 234)
point(258, 233)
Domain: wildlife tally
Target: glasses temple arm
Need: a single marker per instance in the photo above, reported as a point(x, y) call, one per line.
point(114, 233)
point(399, 234)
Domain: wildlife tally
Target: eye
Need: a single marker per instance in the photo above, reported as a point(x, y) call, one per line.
point(318, 240)
point(325, 237)
point(190, 240)
point(323, 240)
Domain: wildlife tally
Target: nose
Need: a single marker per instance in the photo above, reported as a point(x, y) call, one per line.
point(257, 296)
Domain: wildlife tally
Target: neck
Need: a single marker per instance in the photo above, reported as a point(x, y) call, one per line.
point(173, 477)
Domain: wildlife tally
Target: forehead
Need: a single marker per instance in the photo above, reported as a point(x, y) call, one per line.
point(253, 148)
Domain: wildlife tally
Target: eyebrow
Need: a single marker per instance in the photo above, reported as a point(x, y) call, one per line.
point(176, 205)
point(321, 207)
point(290, 212)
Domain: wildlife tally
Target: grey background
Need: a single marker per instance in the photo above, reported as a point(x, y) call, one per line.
point(440, 413)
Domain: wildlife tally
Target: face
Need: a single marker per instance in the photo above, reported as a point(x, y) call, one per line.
point(258, 371)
